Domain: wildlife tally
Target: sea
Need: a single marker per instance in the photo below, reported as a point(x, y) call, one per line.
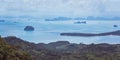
point(49, 31)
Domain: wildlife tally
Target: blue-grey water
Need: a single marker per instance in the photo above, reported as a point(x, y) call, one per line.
point(49, 31)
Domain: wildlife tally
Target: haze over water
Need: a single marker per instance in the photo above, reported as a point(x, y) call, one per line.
point(49, 31)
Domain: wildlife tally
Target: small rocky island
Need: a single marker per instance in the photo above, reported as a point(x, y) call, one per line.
point(29, 28)
point(115, 25)
point(80, 22)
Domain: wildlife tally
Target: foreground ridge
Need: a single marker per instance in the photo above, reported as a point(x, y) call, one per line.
point(63, 50)
point(8, 52)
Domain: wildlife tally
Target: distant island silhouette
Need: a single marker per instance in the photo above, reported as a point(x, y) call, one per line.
point(116, 33)
point(63, 18)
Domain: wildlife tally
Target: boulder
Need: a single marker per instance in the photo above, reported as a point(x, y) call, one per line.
point(29, 28)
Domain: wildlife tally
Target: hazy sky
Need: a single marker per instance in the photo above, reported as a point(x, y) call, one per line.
point(60, 7)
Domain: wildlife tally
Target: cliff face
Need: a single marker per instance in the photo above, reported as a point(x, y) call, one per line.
point(8, 52)
point(63, 50)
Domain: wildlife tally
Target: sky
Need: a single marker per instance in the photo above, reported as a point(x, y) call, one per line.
point(60, 7)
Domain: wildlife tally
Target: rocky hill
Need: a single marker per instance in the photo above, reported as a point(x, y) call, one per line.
point(37, 52)
point(63, 50)
point(8, 52)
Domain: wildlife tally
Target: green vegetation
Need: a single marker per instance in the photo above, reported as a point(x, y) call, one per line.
point(8, 52)
point(61, 50)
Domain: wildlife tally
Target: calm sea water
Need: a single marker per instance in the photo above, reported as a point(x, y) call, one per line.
point(49, 31)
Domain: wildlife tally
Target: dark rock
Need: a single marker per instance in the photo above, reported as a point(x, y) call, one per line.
point(29, 28)
point(115, 25)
